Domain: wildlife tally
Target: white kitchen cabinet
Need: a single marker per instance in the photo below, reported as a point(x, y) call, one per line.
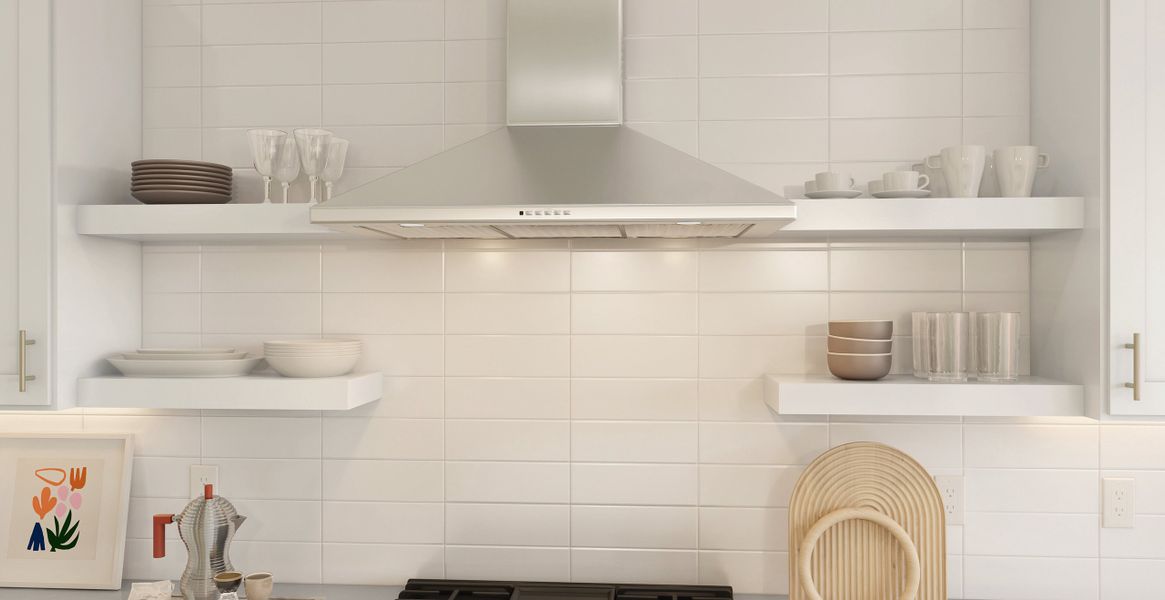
point(25, 202)
point(1137, 208)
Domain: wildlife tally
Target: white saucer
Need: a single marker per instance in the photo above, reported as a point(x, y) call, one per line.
point(820, 195)
point(902, 194)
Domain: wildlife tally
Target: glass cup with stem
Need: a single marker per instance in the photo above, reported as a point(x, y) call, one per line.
point(313, 152)
point(265, 147)
point(334, 167)
point(287, 165)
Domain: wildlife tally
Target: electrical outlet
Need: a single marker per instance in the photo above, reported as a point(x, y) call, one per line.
point(200, 475)
point(1119, 494)
point(950, 487)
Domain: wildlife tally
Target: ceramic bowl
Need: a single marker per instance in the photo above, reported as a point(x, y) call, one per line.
point(228, 581)
point(313, 366)
point(863, 330)
point(861, 367)
point(846, 345)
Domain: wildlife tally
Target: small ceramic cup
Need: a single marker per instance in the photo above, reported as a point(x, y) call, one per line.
point(875, 186)
point(228, 581)
point(810, 186)
point(900, 181)
point(258, 586)
point(830, 181)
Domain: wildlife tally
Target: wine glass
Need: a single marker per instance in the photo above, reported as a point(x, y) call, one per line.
point(265, 146)
point(313, 151)
point(334, 167)
point(287, 165)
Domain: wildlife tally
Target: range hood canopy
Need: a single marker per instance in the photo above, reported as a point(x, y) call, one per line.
point(565, 166)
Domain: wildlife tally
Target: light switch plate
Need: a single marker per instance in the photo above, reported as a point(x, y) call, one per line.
point(950, 487)
point(200, 475)
point(1119, 506)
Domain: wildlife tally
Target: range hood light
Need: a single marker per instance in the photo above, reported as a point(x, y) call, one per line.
point(412, 224)
point(689, 223)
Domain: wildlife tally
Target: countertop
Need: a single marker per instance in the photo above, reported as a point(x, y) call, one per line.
point(286, 590)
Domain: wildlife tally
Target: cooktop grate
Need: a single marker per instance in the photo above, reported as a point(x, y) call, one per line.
point(452, 589)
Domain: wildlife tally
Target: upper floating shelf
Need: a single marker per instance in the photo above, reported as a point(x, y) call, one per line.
point(859, 217)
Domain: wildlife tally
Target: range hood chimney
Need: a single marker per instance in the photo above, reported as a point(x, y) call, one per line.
point(565, 166)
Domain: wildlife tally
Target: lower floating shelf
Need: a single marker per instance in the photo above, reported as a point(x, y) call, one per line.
point(253, 392)
point(904, 395)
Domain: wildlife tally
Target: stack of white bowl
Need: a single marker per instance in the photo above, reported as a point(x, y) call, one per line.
point(312, 358)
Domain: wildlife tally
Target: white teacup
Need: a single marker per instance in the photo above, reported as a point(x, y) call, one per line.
point(900, 181)
point(810, 186)
point(962, 168)
point(938, 183)
point(1015, 169)
point(830, 181)
point(258, 586)
point(874, 186)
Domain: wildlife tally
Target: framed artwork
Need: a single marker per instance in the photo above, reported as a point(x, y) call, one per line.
point(64, 499)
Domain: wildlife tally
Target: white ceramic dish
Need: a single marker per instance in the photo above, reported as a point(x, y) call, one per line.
point(185, 367)
point(902, 194)
point(185, 350)
point(313, 366)
point(296, 352)
point(184, 356)
point(833, 194)
point(312, 343)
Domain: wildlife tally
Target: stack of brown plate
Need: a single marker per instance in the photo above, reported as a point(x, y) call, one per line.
point(170, 181)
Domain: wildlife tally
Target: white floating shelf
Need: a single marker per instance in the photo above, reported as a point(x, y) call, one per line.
point(864, 217)
point(203, 223)
point(253, 392)
point(937, 216)
point(905, 395)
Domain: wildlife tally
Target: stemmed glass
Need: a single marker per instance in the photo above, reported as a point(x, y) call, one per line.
point(334, 167)
point(287, 165)
point(265, 147)
point(313, 151)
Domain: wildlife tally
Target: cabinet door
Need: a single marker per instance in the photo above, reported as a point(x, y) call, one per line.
point(25, 200)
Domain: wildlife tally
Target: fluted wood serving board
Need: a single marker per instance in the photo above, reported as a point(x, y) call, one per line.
point(858, 557)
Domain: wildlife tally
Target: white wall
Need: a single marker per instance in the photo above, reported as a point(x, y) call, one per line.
point(592, 411)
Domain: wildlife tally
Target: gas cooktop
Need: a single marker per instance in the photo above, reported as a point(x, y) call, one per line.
point(452, 589)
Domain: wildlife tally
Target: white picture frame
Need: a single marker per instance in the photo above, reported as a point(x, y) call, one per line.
point(64, 505)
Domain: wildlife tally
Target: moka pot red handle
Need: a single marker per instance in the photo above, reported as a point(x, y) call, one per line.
point(160, 523)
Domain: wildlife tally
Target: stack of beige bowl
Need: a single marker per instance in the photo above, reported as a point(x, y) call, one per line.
point(312, 358)
point(172, 181)
point(860, 349)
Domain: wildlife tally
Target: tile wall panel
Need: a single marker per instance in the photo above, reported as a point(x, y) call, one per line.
point(604, 401)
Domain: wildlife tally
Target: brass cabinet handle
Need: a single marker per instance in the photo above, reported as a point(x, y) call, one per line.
point(1136, 383)
point(24, 378)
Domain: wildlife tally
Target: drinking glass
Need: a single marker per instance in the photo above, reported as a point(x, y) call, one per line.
point(920, 338)
point(265, 147)
point(949, 347)
point(334, 167)
point(287, 165)
point(997, 346)
point(313, 152)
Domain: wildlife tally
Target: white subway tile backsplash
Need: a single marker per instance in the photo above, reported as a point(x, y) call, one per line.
point(383, 104)
point(282, 23)
point(634, 271)
point(475, 60)
point(727, 357)
point(171, 25)
point(992, 14)
point(764, 314)
point(751, 98)
point(884, 53)
point(761, 529)
point(893, 270)
point(873, 15)
point(260, 437)
point(762, 443)
point(269, 479)
point(507, 524)
point(904, 140)
point(660, 17)
point(671, 484)
point(170, 107)
point(1126, 578)
point(171, 313)
point(382, 21)
point(764, 572)
point(384, 523)
point(661, 57)
point(769, 54)
point(995, 94)
point(754, 271)
point(383, 439)
point(1032, 490)
point(681, 135)
point(258, 269)
point(668, 527)
point(633, 566)
point(507, 440)
point(891, 305)
point(261, 313)
point(383, 62)
point(370, 268)
point(479, 19)
point(175, 66)
point(764, 141)
point(633, 356)
point(661, 100)
point(1031, 446)
point(995, 51)
point(507, 398)
point(762, 16)
point(890, 96)
point(380, 564)
point(1036, 535)
point(183, 144)
point(397, 313)
point(260, 106)
point(507, 271)
point(276, 521)
point(734, 400)
point(996, 132)
point(507, 356)
point(385, 146)
point(633, 399)
point(1125, 447)
point(273, 64)
point(935, 446)
point(649, 314)
point(383, 481)
point(512, 314)
point(747, 486)
point(660, 442)
point(542, 483)
point(475, 102)
point(514, 563)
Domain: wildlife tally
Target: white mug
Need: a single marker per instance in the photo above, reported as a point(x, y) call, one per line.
point(875, 186)
point(829, 181)
point(989, 187)
point(810, 186)
point(898, 181)
point(258, 586)
point(962, 167)
point(1015, 168)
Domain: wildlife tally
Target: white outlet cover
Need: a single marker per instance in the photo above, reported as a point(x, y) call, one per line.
point(201, 475)
point(1119, 502)
point(950, 487)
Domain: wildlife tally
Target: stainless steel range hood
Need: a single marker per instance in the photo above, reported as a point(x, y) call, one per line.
point(565, 167)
